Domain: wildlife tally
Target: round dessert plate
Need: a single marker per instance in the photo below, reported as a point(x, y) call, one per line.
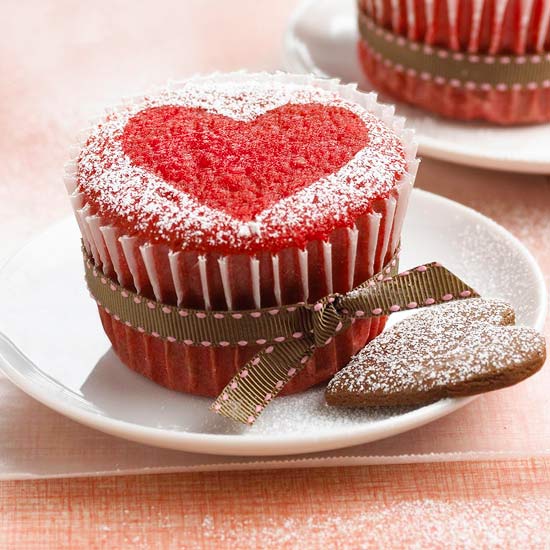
point(322, 39)
point(57, 351)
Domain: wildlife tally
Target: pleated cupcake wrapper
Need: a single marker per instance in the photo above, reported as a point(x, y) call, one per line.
point(403, 20)
point(227, 282)
point(471, 71)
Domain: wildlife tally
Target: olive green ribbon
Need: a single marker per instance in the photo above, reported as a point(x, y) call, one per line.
point(459, 69)
point(288, 335)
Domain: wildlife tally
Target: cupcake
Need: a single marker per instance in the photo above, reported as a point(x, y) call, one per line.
point(506, 45)
point(235, 192)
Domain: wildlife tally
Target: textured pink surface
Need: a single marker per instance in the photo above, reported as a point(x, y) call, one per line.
point(60, 62)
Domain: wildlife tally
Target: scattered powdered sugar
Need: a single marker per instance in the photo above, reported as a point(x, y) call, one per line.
point(440, 347)
point(309, 413)
point(301, 414)
point(505, 274)
point(119, 190)
point(501, 522)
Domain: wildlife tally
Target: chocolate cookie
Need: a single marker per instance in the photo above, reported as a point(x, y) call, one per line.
point(453, 350)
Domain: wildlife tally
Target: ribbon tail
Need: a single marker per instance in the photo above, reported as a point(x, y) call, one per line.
point(424, 286)
point(262, 378)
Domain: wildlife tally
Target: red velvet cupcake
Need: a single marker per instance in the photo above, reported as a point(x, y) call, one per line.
point(488, 32)
point(237, 192)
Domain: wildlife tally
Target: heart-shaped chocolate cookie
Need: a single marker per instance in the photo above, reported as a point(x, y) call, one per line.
point(457, 349)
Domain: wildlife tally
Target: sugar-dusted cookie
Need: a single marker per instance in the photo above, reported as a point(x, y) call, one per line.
point(457, 349)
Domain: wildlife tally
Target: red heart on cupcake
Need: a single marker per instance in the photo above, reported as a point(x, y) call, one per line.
point(243, 167)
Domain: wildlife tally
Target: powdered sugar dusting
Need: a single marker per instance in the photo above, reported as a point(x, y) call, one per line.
point(496, 522)
point(121, 191)
point(439, 347)
point(302, 414)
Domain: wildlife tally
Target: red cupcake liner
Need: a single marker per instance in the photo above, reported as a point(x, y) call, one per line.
point(240, 281)
point(485, 27)
point(506, 107)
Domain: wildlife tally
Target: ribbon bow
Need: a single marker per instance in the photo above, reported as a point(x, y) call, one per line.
point(289, 335)
point(257, 382)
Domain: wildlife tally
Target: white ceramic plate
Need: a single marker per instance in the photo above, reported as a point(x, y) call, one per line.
point(64, 360)
point(322, 39)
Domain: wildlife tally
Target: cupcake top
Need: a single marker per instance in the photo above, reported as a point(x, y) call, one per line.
point(239, 164)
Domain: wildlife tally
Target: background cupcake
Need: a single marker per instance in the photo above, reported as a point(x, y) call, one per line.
point(237, 192)
point(510, 28)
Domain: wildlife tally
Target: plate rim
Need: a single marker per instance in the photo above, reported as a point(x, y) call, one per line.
point(262, 445)
point(427, 145)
